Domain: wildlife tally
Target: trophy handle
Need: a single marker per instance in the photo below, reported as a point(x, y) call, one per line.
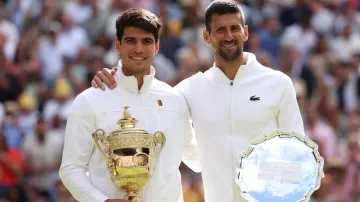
point(99, 135)
point(159, 139)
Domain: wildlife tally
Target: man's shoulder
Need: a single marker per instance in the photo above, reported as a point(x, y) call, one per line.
point(96, 92)
point(165, 89)
point(92, 96)
point(281, 77)
point(190, 82)
point(272, 74)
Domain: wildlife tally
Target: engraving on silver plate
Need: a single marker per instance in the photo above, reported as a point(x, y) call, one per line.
point(281, 171)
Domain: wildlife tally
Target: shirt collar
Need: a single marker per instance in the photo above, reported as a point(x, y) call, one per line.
point(215, 73)
point(130, 83)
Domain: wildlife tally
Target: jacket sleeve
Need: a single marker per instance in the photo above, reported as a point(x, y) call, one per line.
point(190, 153)
point(289, 116)
point(78, 148)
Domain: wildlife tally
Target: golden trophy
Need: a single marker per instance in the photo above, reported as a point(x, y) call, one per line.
point(130, 154)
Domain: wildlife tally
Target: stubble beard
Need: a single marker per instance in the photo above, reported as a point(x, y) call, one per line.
point(229, 57)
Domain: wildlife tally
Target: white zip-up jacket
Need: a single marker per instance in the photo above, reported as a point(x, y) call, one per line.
point(228, 114)
point(157, 107)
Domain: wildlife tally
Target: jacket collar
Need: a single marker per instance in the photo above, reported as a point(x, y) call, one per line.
point(129, 83)
point(215, 74)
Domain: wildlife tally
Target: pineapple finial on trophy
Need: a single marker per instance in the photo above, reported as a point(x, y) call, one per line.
point(127, 121)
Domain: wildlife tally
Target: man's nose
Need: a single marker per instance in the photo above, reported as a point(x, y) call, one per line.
point(228, 35)
point(139, 48)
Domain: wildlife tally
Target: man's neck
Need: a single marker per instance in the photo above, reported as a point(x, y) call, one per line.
point(230, 68)
point(140, 80)
point(138, 76)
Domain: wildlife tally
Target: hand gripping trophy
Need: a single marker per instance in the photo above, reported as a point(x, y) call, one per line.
point(130, 153)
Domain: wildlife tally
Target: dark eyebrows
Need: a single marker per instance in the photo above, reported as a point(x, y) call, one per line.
point(129, 38)
point(218, 28)
point(146, 39)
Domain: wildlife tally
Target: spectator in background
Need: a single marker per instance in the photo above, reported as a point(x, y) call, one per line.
point(61, 101)
point(9, 35)
point(9, 83)
point(62, 194)
point(269, 36)
point(11, 165)
point(80, 11)
point(28, 113)
point(71, 37)
point(321, 132)
point(344, 45)
point(96, 23)
point(42, 152)
point(290, 63)
point(303, 30)
point(50, 55)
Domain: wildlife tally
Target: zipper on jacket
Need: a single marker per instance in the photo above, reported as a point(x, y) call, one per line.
point(230, 136)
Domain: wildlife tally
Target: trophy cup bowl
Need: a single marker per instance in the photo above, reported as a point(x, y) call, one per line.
point(130, 154)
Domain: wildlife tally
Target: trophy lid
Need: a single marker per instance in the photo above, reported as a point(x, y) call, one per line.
point(127, 124)
point(127, 121)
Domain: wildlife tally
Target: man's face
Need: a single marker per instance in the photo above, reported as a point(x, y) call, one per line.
point(227, 36)
point(137, 50)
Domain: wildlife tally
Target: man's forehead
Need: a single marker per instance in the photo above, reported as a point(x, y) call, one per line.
point(225, 19)
point(134, 32)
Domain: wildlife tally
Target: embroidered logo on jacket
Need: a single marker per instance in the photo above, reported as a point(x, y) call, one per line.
point(254, 98)
point(160, 103)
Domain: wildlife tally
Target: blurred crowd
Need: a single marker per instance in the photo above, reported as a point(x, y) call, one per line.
point(51, 49)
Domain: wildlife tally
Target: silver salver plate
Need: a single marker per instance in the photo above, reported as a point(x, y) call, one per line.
point(280, 166)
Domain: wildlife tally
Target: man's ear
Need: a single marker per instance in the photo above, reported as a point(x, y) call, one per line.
point(117, 44)
point(206, 35)
point(157, 46)
point(246, 33)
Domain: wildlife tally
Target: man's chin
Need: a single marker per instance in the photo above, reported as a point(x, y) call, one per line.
point(229, 58)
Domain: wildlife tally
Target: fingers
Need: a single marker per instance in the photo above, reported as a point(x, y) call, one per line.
point(93, 84)
point(109, 76)
point(97, 83)
point(114, 70)
point(103, 79)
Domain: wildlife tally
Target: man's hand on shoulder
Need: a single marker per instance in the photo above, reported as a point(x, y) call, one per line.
point(104, 76)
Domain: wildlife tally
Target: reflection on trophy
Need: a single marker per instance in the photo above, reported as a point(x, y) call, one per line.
point(130, 153)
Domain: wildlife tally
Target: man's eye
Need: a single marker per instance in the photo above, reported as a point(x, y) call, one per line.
point(220, 30)
point(148, 41)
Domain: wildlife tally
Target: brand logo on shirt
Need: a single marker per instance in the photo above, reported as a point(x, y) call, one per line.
point(160, 103)
point(254, 98)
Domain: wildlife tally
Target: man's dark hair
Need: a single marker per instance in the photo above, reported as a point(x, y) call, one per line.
point(140, 18)
point(222, 7)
